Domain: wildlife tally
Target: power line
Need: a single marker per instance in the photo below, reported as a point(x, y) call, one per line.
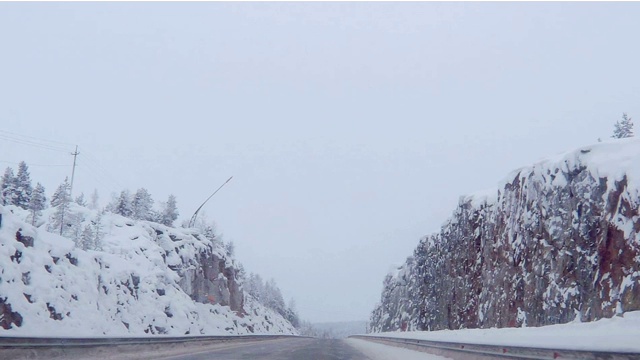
point(96, 174)
point(35, 138)
point(99, 169)
point(93, 167)
point(89, 162)
point(26, 139)
point(96, 178)
point(32, 143)
point(16, 163)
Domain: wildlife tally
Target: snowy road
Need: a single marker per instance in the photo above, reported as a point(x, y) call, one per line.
point(305, 348)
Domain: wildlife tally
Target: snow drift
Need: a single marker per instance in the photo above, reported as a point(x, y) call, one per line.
point(618, 334)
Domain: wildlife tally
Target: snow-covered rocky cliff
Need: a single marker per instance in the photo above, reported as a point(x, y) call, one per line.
point(554, 242)
point(145, 278)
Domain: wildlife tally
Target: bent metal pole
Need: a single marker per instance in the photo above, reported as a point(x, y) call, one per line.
point(195, 214)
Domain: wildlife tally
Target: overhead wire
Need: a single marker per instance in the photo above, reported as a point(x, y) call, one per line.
point(89, 164)
point(97, 178)
point(29, 164)
point(95, 164)
point(98, 175)
point(32, 143)
point(36, 138)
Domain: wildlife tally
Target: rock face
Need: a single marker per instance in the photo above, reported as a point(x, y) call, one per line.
point(209, 276)
point(214, 281)
point(556, 241)
point(143, 278)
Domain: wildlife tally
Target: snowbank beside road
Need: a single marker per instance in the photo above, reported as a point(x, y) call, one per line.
point(619, 334)
point(375, 351)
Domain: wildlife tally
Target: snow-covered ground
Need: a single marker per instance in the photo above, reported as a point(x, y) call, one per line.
point(617, 334)
point(375, 351)
point(127, 287)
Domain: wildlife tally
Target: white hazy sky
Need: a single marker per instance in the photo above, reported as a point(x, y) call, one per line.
point(351, 129)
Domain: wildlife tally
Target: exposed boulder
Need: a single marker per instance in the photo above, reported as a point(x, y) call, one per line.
point(8, 317)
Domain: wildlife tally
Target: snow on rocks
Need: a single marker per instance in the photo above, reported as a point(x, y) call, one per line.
point(553, 242)
point(141, 278)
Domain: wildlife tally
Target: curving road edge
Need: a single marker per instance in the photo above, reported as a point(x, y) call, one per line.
point(463, 351)
point(118, 348)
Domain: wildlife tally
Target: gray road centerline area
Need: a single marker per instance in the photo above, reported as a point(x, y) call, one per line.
point(284, 349)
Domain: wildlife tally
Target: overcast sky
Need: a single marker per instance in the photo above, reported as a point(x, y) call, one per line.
point(351, 129)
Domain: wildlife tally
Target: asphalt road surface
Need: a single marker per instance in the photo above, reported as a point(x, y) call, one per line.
point(282, 349)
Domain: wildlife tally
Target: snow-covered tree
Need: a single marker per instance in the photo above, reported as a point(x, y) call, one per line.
point(60, 200)
point(255, 287)
point(73, 226)
point(23, 187)
point(8, 187)
point(155, 216)
point(61, 195)
point(268, 294)
point(86, 238)
point(123, 204)
point(273, 297)
point(111, 206)
point(207, 228)
point(230, 248)
point(291, 314)
point(80, 200)
point(241, 273)
point(169, 211)
point(93, 205)
point(96, 228)
point(91, 236)
point(37, 203)
point(623, 128)
point(141, 204)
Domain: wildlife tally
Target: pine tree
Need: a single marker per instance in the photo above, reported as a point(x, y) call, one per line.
point(255, 287)
point(93, 205)
point(61, 195)
point(230, 248)
point(273, 297)
point(113, 204)
point(80, 200)
point(123, 205)
point(623, 128)
point(23, 187)
point(169, 212)
point(141, 204)
point(73, 226)
point(241, 273)
point(155, 216)
point(96, 228)
point(37, 203)
point(87, 238)
point(207, 228)
point(60, 200)
point(8, 187)
point(292, 314)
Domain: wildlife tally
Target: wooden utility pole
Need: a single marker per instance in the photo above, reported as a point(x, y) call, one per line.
point(73, 171)
point(70, 197)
